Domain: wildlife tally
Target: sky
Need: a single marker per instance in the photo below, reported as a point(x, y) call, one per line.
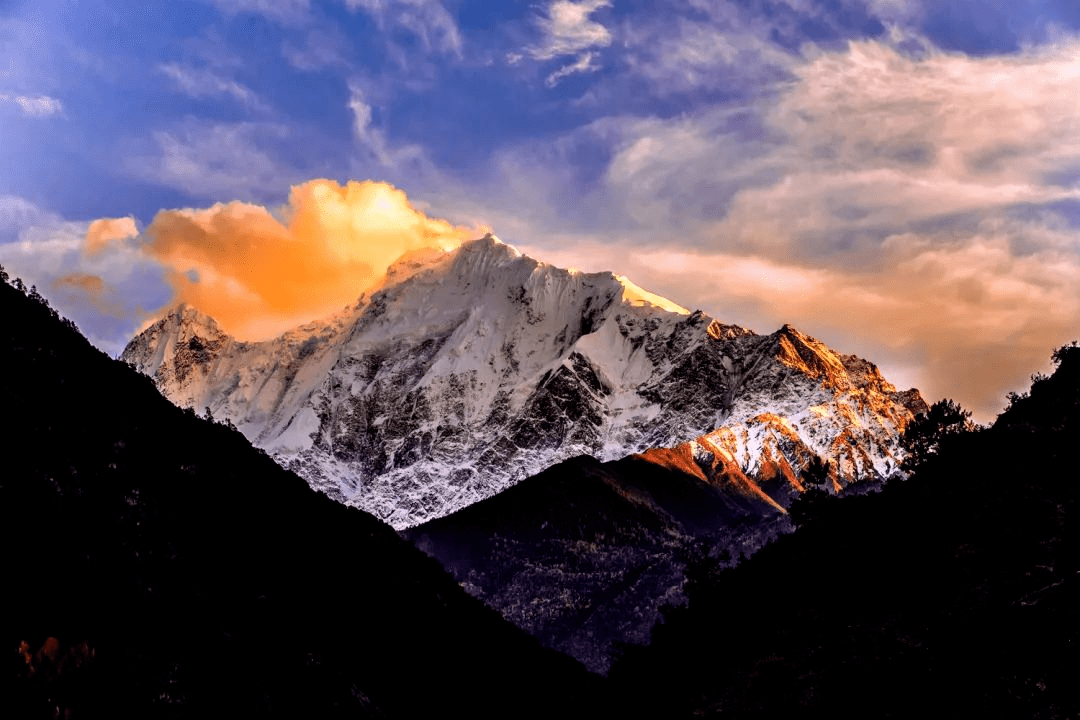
point(898, 178)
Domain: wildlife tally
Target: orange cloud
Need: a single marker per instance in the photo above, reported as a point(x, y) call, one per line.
point(106, 231)
point(90, 288)
point(259, 273)
point(90, 284)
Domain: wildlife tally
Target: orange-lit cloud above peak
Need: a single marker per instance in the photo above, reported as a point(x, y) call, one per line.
point(260, 272)
point(104, 231)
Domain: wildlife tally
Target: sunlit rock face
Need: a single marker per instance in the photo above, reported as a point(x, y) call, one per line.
point(471, 369)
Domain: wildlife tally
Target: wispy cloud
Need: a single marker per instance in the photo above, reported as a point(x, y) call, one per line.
point(726, 48)
point(322, 47)
point(567, 28)
point(283, 11)
point(35, 105)
point(204, 83)
point(373, 140)
point(428, 20)
point(586, 62)
point(212, 160)
point(19, 214)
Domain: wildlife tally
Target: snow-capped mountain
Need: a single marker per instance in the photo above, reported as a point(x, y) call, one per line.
point(471, 369)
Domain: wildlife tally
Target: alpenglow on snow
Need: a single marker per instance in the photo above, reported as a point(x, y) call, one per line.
point(470, 369)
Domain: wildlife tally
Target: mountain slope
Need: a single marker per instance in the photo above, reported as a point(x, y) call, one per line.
point(157, 566)
point(473, 369)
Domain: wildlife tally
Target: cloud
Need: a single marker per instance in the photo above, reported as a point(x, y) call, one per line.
point(876, 141)
point(428, 20)
point(568, 29)
point(372, 140)
point(320, 48)
point(287, 12)
point(104, 232)
point(215, 159)
point(206, 83)
point(91, 288)
point(970, 320)
point(260, 272)
point(107, 291)
point(19, 214)
point(35, 105)
point(724, 48)
point(918, 209)
point(584, 63)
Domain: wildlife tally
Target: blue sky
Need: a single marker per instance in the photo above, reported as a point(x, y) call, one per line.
point(900, 178)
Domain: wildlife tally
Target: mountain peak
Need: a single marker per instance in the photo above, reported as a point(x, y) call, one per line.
point(811, 356)
point(473, 368)
point(635, 295)
point(190, 316)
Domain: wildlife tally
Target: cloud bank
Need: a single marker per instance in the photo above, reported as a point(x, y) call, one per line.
point(258, 271)
point(919, 209)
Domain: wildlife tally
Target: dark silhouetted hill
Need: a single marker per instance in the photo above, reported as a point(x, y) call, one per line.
point(156, 566)
point(952, 594)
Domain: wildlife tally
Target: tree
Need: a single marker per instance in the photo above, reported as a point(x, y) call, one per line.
point(816, 481)
point(924, 434)
point(817, 472)
point(3, 274)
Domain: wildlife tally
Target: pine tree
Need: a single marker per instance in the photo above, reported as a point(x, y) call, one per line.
point(924, 435)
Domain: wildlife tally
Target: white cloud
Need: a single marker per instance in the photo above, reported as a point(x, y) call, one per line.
point(35, 105)
point(567, 28)
point(198, 83)
point(106, 293)
point(372, 139)
point(18, 214)
point(215, 160)
point(584, 63)
point(724, 49)
point(919, 210)
point(428, 20)
point(862, 142)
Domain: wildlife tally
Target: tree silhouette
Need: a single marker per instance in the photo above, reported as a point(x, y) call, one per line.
point(924, 435)
point(815, 479)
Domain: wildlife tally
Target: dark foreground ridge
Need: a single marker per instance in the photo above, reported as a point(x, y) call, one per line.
point(952, 594)
point(156, 566)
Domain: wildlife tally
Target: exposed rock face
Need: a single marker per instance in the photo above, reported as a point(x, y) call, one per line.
point(472, 369)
